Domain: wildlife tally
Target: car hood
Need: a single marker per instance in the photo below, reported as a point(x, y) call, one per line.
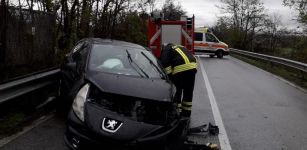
point(154, 89)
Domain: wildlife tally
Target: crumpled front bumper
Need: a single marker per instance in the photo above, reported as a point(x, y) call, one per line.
point(79, 136)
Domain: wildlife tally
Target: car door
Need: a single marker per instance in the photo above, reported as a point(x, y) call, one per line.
point(211, 41)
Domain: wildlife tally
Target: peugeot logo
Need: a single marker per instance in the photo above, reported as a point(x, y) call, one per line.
point(110, 125)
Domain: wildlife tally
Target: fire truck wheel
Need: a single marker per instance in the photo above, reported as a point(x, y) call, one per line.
point(219, 54)
point(211, 56)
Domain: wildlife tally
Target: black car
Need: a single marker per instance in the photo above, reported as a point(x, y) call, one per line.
point(121, 98)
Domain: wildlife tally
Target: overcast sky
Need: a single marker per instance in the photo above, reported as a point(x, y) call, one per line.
point(206, 12)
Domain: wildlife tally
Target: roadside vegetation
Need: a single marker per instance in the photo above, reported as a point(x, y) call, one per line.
point(11, 123)
point(22, 111)
point(246, 25)
point(68, 21)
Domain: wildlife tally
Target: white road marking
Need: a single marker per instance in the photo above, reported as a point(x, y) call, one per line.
point(223, 138)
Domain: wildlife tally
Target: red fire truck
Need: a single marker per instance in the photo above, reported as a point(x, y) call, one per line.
point(162, 31)
point(181, 32)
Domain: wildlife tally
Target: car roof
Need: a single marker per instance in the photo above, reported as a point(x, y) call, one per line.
point(113, 42)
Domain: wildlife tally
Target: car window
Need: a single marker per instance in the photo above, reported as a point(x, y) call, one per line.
point(124, 60)
point(198, 36)
point(80, 52)
point(211, 38)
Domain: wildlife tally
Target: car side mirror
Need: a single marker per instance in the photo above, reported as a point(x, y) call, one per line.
point(67, 58)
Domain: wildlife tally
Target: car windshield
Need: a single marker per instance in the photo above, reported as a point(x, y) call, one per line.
point(124, 60)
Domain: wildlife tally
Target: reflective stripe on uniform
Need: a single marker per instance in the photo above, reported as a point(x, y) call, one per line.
point(184, 67)
point(186, 103)
point(168, 69)
point(179, 108)
point(185, 58)
point(188, 108)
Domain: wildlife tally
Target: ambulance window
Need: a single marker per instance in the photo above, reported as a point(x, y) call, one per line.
point(211, 38)
point(198, 36)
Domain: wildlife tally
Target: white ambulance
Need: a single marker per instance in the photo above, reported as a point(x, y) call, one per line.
point(205, 42)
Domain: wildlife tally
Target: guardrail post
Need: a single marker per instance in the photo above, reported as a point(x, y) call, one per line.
point(271, 65)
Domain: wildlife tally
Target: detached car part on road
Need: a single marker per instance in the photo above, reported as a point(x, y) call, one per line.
point(121, 98)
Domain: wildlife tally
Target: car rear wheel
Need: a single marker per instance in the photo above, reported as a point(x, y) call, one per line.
point(219, 54)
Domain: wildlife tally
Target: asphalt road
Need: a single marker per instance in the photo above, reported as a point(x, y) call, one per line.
point(258, 111)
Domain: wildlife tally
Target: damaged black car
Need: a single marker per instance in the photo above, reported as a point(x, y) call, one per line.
point(121, 98)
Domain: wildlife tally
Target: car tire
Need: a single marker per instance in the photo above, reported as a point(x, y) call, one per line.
point(211, 56)
point(219, 54)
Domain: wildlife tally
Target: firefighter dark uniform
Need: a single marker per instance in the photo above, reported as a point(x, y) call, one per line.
point(180, 65)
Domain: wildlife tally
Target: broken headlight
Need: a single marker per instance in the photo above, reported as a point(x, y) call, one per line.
point(80, 99)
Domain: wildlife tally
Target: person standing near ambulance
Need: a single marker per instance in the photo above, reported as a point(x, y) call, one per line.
point(181, 66)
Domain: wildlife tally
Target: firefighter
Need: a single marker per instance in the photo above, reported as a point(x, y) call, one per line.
point(180, 65)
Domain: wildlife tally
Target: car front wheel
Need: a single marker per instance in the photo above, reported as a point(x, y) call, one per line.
point(219, 54)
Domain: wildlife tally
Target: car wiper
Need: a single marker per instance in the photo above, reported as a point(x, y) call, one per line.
point(131, 60)
point(155, 66)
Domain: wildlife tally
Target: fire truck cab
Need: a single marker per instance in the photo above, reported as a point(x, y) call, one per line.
point(205, 42)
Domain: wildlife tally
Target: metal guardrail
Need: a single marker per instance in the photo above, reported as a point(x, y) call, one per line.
point(278, 60)
point(19, 87)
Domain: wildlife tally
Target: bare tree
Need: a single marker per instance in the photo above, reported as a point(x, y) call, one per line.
point(245, 18)
point(152, 5)
point(146, 5)
point(3, 26)
point(300, 6)
point(272, 25)
point(2, 2)
point(172, 11)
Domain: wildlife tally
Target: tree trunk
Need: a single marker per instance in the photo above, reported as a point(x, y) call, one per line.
point(84, 21)
point(3, 27)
